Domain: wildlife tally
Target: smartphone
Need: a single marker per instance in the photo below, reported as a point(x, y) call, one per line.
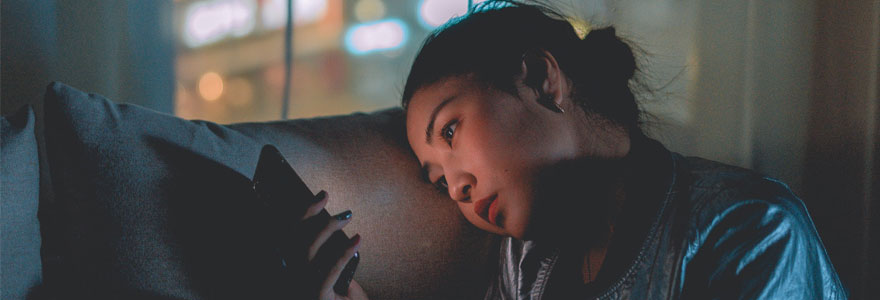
point(286, 197)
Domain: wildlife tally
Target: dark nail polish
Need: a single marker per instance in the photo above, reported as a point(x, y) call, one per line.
point(356, 239)
point(320, 196)
point(343, 215)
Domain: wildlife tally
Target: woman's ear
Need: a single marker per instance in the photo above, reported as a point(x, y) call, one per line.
point(541, 72)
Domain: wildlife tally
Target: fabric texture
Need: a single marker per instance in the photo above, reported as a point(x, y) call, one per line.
point(700, 230)
point(149, 205)
point(143, 206)
point(19, 195)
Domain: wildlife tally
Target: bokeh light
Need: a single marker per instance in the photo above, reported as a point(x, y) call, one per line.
point(211, 86)
point(274, 12)
point(210, 21)
point(433, 13)
point(375, 36)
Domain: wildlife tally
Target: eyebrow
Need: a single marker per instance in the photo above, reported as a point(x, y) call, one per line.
point(429, 131)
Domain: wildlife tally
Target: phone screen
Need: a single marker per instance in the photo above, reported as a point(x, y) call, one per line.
point(286, 197)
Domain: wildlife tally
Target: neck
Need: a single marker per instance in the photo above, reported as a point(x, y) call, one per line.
point(593, 260)
point(583, 199)
point(600, 138)
point(594, 255)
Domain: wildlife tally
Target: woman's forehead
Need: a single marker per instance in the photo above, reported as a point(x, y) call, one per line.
point(416, 120)
point(417, 117)
point(427, 98)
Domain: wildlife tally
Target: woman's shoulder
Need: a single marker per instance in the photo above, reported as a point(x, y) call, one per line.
point(715, 189)
point(729, 207)
point(746, 229)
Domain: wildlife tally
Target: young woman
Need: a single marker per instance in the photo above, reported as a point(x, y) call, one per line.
point(535, 134)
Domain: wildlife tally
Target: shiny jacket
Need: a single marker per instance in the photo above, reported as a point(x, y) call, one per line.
point(697, 230)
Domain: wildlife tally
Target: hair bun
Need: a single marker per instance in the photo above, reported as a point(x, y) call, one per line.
point(609, 57)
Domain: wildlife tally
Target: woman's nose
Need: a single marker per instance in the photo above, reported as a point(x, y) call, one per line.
point(460, 188)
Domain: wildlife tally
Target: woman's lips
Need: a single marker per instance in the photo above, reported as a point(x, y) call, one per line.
point(487, 208)
point(493, 212)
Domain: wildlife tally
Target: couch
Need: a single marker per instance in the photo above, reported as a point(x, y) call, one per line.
point(117, 201)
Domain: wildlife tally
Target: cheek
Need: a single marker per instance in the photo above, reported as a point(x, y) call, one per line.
point(506, 157)
point(510, 173)
point(494, 148)
point(512, 139)
point(505, 152)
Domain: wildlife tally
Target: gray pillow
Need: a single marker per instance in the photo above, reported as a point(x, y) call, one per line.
point(119, 174)
point(416, 244)
point(19, 196)
point(148, 204)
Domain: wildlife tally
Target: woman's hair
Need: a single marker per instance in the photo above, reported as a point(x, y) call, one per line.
point(493, 39)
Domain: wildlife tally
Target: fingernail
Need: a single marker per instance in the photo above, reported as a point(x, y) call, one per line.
point(343, 215)
point(320, 196)
point(356, 239)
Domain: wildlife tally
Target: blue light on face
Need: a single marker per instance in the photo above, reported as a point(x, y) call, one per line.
point(382, 35)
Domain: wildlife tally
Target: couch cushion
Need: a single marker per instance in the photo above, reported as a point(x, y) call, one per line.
point(143, 206)
point(416, 244)
point(21, 268)
point(122, 217)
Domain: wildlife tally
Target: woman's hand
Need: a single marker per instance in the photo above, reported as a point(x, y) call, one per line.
point(317, 233)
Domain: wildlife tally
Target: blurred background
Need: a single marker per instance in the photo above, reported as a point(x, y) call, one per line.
point(786, 87)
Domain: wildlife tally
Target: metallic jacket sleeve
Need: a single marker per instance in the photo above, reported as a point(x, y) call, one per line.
point(759, 249)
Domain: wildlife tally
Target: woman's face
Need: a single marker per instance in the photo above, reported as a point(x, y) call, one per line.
point(488, 147)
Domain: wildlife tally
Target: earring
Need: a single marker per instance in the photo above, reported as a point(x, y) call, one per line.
point(547, 101)
point(561, 111)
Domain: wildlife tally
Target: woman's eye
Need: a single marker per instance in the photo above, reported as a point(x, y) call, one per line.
point(449, 131)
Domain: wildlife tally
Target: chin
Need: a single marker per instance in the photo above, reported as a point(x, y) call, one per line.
point(480, 223)
point(495, 229)
point(517, 230)
point(511, 225)
point(520, 236)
